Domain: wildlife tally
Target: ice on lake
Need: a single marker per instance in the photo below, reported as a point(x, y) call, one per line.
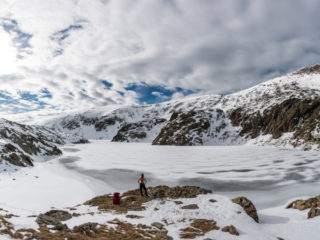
point(230, 170)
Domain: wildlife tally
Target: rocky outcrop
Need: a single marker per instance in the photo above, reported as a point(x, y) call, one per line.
point(230, 229)
point(197, 128)
point(299, 116)
point(14, 156)
point(20, 144)
point(199, 227)
point(315, 69)
point(131, 200)
point(181, 128)
point(311, 203)
point(54, 218)
point(106, 121)
point(248, 206)
point(137, 131)
point(300, 204)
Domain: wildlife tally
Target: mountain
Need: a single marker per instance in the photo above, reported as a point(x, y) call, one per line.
point(283, 112)
point(21, 145)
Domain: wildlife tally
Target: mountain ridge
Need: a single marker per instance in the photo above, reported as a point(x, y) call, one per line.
point(282, 112)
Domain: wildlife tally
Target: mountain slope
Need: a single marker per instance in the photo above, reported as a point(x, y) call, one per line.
point(283, 112)
point(20, 144)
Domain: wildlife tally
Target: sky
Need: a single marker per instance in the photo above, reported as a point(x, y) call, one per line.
point(67, 55)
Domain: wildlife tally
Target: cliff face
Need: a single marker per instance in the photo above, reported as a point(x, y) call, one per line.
point(283, 112)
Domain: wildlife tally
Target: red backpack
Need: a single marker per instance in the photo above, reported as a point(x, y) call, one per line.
point(116, 198)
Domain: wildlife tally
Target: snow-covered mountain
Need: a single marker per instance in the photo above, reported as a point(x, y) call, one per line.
point(283, 112)
point(20, 144)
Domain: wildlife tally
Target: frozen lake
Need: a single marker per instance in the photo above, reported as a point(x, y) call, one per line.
point(268, 176)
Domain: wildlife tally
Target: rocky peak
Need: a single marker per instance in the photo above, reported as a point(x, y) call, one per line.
point(314, 69)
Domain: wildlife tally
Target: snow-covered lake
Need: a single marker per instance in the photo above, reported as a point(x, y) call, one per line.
point(268, 176)
point(229, 170)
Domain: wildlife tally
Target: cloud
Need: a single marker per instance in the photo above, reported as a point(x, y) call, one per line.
point(86, 54)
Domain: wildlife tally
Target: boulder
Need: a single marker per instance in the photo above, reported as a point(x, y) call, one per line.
point(314, 212)
point(54, 217)
point(248, 206)
point(230, 229)
point(300, 204)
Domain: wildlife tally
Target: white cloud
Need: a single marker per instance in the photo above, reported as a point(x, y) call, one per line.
point(212, 46)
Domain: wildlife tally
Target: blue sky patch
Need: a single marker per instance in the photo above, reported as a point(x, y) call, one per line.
point(20, 39)
point(107, 84)
point(155, 93)
point(65, 33)
point(16, 106)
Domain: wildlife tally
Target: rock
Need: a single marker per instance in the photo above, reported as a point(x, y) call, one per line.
point(133, 216)
point(305, 204)
point(182, 127)
point(190, 206)
point(248, 206)
point(291, 115)
point(85, 228)
point(157, 225)
point(160, 193)
point(54, 217)
point(198, 227)
point(212, 200)
point(178, 202)
point(131, 200)
point(313, 212)
point(61, 227)
point(230, 229)
point(131, 132)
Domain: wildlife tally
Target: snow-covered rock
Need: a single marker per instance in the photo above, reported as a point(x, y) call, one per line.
point(20, 144)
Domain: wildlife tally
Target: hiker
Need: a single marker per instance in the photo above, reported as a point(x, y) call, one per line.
point(142, 180)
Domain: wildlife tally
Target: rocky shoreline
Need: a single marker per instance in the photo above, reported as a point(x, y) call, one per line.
point(126, 221)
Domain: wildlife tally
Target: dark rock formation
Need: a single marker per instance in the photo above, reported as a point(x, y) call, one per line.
point(292, 115)
point(54, 218)
point(182, 127)
point(105, 121)
point(131, 132)
point(230, 229)
point(14, 156)
point(300, 204)
point(248, 206)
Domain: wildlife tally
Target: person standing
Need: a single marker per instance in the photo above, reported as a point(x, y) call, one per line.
point(142, 180)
